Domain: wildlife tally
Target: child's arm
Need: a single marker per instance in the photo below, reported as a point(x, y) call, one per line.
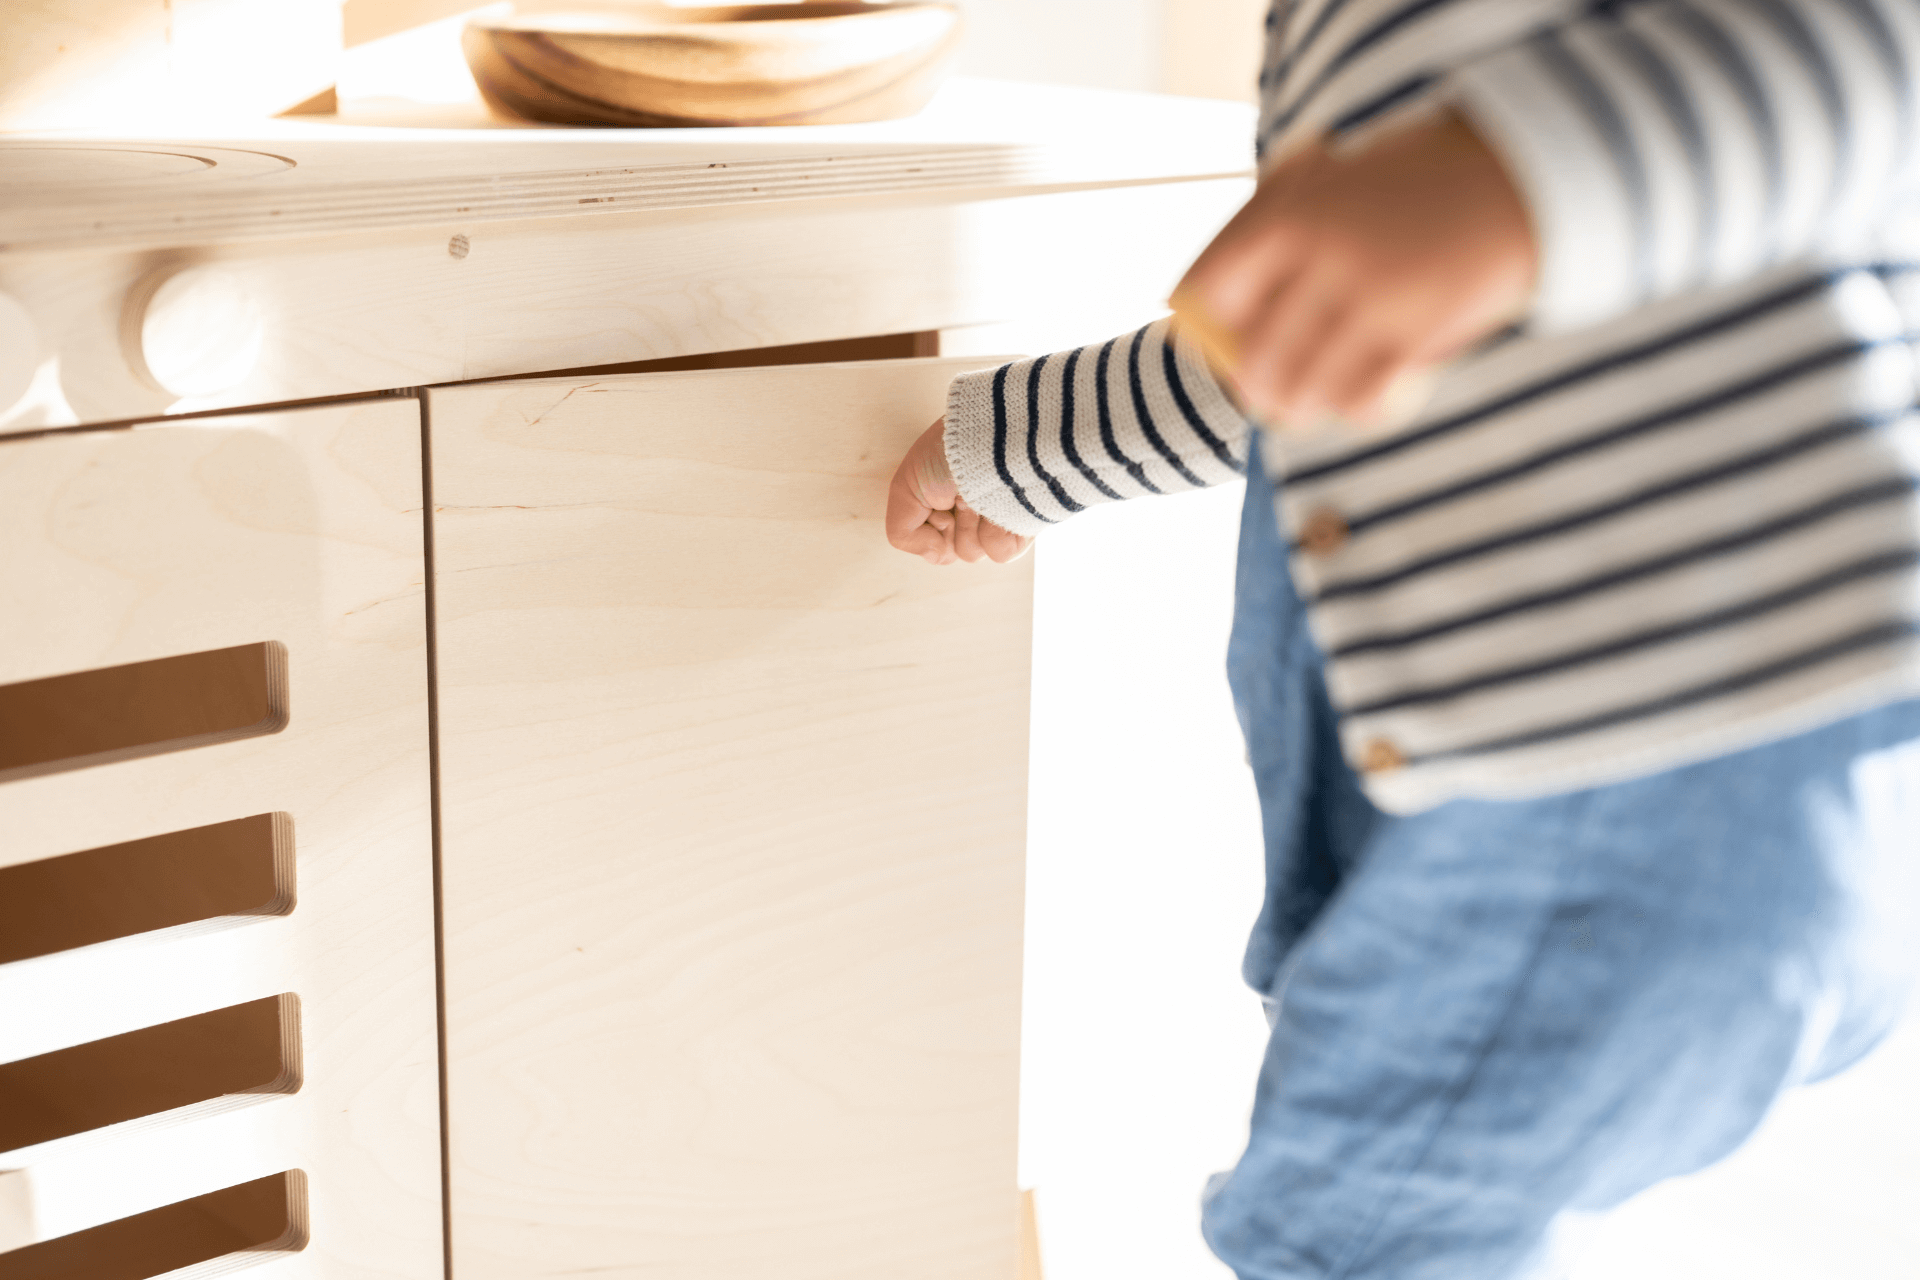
point(1340, 272)
point(1027, 445)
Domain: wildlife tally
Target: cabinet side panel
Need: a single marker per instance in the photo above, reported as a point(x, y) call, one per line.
point(734, 806)
point(293, 538)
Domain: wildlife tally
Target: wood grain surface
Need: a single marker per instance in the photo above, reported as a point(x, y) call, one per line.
point(351, 314)
point(301, 528)
point(227, 180)
point(733, 804)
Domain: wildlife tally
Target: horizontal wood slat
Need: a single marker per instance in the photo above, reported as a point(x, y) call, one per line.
point(227, 869)
point(266, 1215)
point(141, 708)
point(244, 1048)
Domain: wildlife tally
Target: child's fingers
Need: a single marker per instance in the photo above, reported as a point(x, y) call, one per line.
point(1354, 376)
point(1348, 369)
point(917, 529)
point(921, 491)
point(926, 542)
point(1234, 289)
point(905, 510)
point(966, 533)
point(1002, 546)
point(1287, 342)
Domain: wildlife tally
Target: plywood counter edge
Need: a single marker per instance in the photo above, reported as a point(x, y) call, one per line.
point(293, 180)
point(120, 226)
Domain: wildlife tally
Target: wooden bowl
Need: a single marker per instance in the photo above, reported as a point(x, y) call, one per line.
point(658, 66)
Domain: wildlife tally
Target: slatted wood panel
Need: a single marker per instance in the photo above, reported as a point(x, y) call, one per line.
point(202, 879)
point(733, 801)
point(263, 1220)
point(251, 1048)
point(300, 530)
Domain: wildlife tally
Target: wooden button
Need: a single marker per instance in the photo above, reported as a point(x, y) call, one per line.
point(1324, 532)
point(1381, 756)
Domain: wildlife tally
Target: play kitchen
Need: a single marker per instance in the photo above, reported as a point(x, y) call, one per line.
point(459, 716)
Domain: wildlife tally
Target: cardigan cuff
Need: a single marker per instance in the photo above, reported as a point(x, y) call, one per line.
point(1583, 211)
point(970, 440)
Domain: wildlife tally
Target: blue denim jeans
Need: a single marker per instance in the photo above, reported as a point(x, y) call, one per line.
point(1491, 1012)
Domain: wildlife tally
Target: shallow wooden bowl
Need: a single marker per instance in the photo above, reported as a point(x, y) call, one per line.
point(653, 65)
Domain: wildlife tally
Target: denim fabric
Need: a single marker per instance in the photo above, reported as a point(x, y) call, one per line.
point(1491, 1012)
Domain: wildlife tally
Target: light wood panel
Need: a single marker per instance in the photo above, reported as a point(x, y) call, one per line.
point(234, 179)
point(733, 805)
point(300, 529)
point(72, 64)
point(465, 301)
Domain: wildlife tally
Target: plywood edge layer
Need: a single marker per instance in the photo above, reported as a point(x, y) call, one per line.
point(98, 219)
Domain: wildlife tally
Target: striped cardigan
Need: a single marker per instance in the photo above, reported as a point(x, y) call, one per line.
point(1674, 514)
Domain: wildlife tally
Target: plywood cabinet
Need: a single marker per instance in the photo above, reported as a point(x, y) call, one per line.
point(718, 799)
point(732, 810)
point(733, 806)
point(217, 1016)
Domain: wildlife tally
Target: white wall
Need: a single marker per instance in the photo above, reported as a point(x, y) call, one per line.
point(1103, 44)
point(1139, 1042)
point(1211, 48)
point(1202, 48)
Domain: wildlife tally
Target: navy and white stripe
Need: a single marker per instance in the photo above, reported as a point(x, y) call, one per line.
point(1034, 442)
point(1726, 136)
point(1679, 512)
point(1700, 140)
point(1630, 547)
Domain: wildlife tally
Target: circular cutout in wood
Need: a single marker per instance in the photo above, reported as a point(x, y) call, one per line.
point(658, 66)
point(195, 331)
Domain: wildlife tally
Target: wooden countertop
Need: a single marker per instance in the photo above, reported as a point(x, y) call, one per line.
point(365, 170)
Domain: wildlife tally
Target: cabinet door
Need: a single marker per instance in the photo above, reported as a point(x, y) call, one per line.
point(733, 800)
point(217, 1023)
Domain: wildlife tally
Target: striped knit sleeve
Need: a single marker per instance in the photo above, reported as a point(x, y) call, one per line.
point(1032, 442)
point(1668, 145)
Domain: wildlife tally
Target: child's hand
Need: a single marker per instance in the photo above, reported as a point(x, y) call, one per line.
point(1342, 274)
point(927, 516)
